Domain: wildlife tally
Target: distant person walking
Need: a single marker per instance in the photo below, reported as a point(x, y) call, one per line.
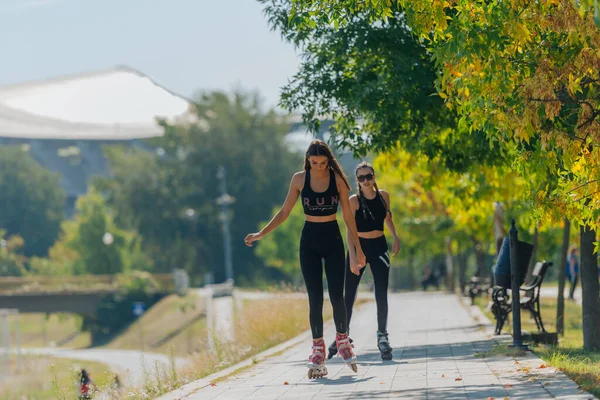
point(322, 185)
point(86, 385)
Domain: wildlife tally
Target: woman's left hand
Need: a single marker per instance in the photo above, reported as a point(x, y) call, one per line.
point(396, 246)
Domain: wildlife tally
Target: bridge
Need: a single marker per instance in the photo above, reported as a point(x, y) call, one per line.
point(76, 294)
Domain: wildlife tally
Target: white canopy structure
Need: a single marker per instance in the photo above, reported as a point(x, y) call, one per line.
point(116, 104)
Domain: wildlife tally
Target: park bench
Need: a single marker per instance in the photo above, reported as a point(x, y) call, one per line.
point(478, 286)
point(501, 305)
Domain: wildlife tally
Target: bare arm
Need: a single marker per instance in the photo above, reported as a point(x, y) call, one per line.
point(350, 222)
point(389, 222)
point(351, 248)
point(282, 214)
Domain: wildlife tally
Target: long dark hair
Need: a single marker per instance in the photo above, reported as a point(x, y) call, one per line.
point(319, 148)
point(361, 196)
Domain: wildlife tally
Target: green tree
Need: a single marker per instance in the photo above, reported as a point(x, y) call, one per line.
point(170, 195)
point(280, 249)
point(31, 200)
point(11, 262)
point(520, 71)
point(377, 82)
point(91, 243)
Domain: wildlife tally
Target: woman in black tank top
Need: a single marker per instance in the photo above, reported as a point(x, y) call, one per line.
point(322, 186)
point(371, 209)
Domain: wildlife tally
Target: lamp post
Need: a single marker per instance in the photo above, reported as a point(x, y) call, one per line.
point(225, 200)
point(515, 276)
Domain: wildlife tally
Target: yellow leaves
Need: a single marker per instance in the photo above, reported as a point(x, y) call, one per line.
point(464, 91)
point(523, 133)
point(574, 85)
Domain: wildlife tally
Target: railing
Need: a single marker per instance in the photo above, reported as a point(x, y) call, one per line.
point(77, 283)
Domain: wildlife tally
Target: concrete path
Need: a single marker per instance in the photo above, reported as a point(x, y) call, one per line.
point(436, 338)
point(553, 292)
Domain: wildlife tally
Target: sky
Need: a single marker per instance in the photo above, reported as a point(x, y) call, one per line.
point(185, 45)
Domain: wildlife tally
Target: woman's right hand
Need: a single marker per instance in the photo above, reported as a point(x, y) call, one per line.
point(251, 238)
point(354, 268)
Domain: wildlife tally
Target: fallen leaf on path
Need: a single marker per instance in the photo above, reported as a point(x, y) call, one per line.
point(286, 383)
point(458, 379)
point(443, 376)
point(381, 383)
point(516, 362)
point(543, 366)
point(213, 384)
point(508, 385)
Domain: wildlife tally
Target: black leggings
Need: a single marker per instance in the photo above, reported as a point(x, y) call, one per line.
point(323, 241)
point(378, 257)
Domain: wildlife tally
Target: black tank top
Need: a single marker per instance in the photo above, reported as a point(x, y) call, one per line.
point(323, 203)
point(373, 221)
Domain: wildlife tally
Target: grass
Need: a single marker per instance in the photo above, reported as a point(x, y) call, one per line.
point(45, 378)
point(49, 330)
point(172, 326)
point(581, 366)
point(501, 350)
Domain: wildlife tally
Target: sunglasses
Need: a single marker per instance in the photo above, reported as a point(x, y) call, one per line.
point(362, 178)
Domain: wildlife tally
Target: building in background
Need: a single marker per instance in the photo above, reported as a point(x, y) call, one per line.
point(64, 122)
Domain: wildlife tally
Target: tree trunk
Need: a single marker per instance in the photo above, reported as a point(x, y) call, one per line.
point(462, 271)
point(590, 288)
point(450, 275)
point(560, 304)
point(480, 259)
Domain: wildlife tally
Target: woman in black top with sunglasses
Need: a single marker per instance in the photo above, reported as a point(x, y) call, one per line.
point(371, 208)
point(322, 185)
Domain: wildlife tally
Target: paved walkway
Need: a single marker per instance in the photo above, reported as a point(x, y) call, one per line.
point(435, 337)
point(553, 292)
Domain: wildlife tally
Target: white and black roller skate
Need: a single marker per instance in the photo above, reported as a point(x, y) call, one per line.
point(316, 361)
point(384, 346)
point(344, 348)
